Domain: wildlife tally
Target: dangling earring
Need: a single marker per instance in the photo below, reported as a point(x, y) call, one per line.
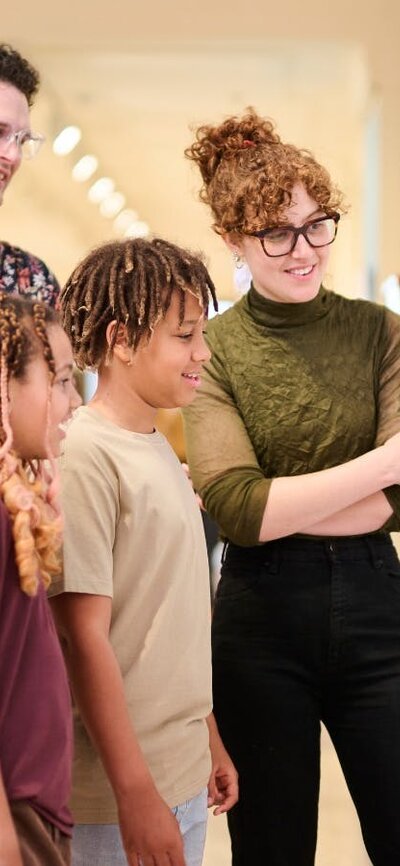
point(237, 258)
point(241, 275)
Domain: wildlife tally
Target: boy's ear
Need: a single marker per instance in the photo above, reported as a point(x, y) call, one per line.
point(121, 347)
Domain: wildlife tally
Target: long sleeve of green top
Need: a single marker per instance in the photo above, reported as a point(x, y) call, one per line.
point(290, 389)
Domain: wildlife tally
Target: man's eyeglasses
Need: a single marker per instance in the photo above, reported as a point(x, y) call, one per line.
point(281, 240)
point(28, 143)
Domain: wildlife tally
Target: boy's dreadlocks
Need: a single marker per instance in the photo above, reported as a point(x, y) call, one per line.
point(129, 282)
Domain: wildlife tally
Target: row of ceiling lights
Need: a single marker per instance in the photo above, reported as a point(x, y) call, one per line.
point(102, 191)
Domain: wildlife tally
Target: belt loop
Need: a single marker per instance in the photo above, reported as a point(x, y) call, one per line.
point(272, 555)
point(224, 549)
point(374, 555)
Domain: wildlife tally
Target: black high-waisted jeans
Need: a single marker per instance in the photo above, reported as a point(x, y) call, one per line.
point(307, 630)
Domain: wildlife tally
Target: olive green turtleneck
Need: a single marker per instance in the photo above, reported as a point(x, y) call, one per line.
point(290, 389)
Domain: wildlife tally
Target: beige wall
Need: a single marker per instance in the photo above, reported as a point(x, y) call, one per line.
point(135, 78)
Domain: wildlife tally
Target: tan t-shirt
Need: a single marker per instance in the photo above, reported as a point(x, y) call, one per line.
point(133, 531)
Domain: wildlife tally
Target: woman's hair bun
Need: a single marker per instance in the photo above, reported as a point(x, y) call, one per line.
point(225, 141)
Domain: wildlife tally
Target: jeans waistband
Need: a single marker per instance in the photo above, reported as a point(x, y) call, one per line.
point(370, 544)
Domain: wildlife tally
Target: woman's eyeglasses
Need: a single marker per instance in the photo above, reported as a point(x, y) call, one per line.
point(281, 240)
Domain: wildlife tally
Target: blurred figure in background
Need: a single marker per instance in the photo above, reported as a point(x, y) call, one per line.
point(20, 271)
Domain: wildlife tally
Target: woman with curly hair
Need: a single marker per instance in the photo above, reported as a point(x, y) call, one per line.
point(301, 387)
point(36, 397)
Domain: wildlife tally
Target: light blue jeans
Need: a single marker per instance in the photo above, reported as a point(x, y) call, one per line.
point(101, 844)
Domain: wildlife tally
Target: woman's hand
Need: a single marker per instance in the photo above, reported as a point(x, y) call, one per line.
point(186, 470)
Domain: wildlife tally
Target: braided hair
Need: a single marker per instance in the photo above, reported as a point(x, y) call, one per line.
point(130, 282)
point(25, 488)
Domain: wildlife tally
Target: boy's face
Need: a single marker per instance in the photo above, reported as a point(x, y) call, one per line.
point(166, 370)
point(14, 116)
point(38, 408)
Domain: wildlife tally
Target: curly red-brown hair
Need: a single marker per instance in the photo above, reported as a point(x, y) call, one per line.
point(249, 174)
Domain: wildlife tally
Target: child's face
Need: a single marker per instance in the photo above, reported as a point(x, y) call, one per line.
point(166, 370)
point(37, 409)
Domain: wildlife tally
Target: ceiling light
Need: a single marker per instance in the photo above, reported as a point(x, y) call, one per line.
point(100, 189)
point(137, 229)
point(111, 204)
point(124, 219)
point(85, 167)
point(66, 140)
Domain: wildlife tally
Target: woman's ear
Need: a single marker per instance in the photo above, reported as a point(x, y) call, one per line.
point(233, 242)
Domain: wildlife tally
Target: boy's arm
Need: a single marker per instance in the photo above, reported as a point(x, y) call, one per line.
point(148, 827)
point(10, 854)
point(223, 783)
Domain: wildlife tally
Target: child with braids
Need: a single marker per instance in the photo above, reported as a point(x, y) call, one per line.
point(133, 608)
point(37, 395)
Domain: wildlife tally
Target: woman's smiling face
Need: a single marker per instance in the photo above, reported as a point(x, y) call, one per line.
point(297, 276)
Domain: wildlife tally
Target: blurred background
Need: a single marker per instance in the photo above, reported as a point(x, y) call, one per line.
point(134, 78)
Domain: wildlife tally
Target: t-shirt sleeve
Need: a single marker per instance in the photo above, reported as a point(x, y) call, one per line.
point(90, 507)
point(389, 397)
point(223, 464)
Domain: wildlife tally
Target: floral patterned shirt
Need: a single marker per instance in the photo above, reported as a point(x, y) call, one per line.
point(24, 274)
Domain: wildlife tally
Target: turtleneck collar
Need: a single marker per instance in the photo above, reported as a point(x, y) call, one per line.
point(274, 314)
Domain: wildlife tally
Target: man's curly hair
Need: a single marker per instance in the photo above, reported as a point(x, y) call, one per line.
point(15, 70)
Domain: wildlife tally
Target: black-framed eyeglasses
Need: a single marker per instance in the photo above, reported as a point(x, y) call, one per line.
point(281, 240)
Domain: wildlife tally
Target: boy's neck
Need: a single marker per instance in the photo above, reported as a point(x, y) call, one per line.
point(123, 407)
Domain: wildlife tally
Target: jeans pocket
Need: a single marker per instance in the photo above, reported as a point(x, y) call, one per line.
point(240, 581)
point(232, 585)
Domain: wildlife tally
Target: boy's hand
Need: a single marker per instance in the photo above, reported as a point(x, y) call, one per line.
point(223, 788)
point(150, 832)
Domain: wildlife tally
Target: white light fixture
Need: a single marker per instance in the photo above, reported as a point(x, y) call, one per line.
point(111, 204)
point(390, 290)
point(124, 219)
point(100, 189)
point(85, 167)
point(137, 229)
point(66, 140)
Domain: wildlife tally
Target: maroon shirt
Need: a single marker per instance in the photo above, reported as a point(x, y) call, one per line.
point(35, 708)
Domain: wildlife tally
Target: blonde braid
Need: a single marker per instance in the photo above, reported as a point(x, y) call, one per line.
point(28, 497)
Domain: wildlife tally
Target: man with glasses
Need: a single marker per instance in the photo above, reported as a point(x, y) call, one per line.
point(20, 271)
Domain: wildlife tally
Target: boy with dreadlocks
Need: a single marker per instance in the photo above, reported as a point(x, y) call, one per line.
point(36, 396)
point(134, 608)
